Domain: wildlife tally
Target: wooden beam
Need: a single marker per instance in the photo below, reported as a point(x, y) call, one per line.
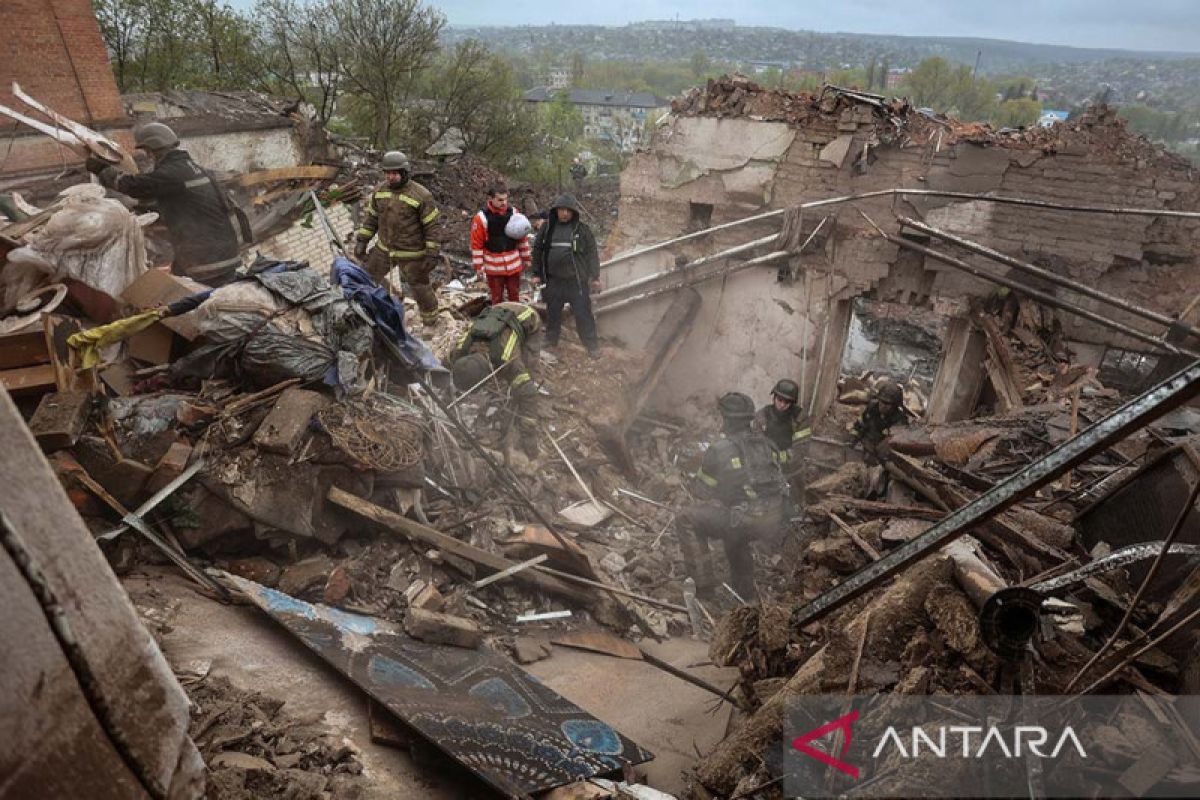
point(421, 533)
point(668, 336)
point(314, 172)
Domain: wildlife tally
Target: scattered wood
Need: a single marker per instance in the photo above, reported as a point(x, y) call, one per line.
point(415, 530)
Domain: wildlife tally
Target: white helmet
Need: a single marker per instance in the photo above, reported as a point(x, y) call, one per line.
point(518, 227)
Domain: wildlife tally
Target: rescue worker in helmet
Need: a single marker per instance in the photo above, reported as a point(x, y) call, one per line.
point(206, 229)
point(741, 495)
point(504, 339)
point(883, 412)
point(409, 232)
point(784, 421)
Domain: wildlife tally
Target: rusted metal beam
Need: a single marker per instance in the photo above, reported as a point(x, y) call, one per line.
point(1047, 275)
point(850, 198)
point(1040, 296)
point(1132, 416)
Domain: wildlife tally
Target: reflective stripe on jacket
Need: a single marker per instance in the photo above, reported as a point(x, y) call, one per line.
point(406, 220)
point(509, 262)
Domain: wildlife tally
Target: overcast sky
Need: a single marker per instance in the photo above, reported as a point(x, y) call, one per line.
point(1127, 24)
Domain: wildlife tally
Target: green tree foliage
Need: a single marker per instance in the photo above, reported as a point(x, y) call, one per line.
point(157, 45)
point(472, 92)
point(1017, 113)
point(1165, 126)
point(299, 54)
point(559, 140)
point(700, 64)
point(386, 46)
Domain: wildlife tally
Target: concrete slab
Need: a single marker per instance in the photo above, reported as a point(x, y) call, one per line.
point(662, 713)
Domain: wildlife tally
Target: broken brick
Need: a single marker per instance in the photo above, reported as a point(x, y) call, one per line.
point(284, 428)
point(60, 419)
point(438, 628)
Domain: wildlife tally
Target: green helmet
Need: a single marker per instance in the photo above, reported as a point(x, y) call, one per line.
point(155, 136)
point(889, 392)
point(470, 370)
point(787, 389)
point(394, 160)
point(735, 405)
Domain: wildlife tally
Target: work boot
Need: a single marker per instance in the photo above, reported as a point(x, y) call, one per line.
point(698, 562)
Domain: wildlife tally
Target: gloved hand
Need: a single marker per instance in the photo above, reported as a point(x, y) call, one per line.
point(95, 164)
point(360, 250)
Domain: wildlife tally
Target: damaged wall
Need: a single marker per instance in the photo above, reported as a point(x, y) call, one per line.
point(53, 48)
point(753, 329)
point(300, 243)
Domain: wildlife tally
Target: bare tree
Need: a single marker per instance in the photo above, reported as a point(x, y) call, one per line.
point(474, 91)
point(122, 26)
point(299, 51)
point(385, 46)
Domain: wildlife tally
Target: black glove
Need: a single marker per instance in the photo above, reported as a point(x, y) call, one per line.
point(360, 250)
point(95, 164)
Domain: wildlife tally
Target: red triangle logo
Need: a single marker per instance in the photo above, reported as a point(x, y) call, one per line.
point(843, 724)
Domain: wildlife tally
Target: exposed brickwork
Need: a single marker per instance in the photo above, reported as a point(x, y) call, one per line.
point(53, 48)
point(298, 243)
point(1152, 262)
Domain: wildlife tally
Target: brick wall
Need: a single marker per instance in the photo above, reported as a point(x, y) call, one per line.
point(53, 48)
point(298, 243)
point(762, 329)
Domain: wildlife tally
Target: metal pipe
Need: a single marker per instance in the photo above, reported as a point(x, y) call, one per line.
point(683, 268)
point(1047, 275)
point(1115, 560)
point(1134, 415)
point(1040, 296)
point(1016, 201)
point(690, 280)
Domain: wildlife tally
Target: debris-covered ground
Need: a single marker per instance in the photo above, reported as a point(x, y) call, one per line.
point(286, 443)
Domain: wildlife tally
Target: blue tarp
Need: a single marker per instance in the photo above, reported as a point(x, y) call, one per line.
point(385, 310)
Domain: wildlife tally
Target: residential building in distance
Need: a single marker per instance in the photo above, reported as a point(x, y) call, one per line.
point(1050, 116)
point(608, 116)
point(895, 77)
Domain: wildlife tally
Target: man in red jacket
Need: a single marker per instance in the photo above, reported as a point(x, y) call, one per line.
point(500, 246)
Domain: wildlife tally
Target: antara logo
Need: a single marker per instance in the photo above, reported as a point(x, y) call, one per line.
point(942, 742)
point(1025, 739)
point(843, 724)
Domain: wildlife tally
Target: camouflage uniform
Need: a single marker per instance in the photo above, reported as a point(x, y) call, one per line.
point(507, 333)
point(410, 236)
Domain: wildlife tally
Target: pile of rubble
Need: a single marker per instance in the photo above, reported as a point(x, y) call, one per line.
point(933, 629)
point(1099, 132)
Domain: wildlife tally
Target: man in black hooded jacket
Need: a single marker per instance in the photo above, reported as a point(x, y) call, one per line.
point(566, 260)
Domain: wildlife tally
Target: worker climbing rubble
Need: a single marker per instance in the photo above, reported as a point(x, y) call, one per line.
point(742, 496)
point(206, 229)
point(499, 346)
point(784, 421)
point(883, 412)
point(408, 231)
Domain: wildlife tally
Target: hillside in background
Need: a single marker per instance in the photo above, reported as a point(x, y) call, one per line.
point(804, 49)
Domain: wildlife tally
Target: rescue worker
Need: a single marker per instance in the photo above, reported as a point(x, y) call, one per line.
point(566, 260)
point(743, 496)
point(501, 339)
point(500, 246)
point(883, 412)
point(206, 229)
point(783, 421)
point(403, 215)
